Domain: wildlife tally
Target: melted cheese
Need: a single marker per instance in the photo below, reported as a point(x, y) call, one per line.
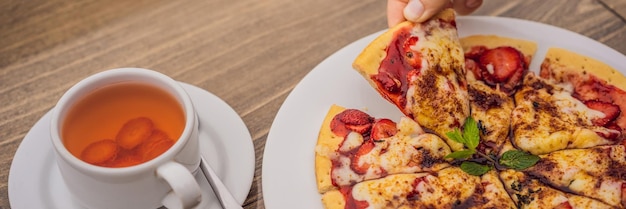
point(443, 190)
point(410, 150)
point(550, 119)
point(584, 171)
point(542, 196)
point(571, 105)
point(353, 140)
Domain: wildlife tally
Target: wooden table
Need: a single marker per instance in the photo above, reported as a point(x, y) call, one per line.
point(249, 53)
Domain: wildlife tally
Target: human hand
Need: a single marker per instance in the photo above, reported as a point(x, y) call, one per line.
point(420, 10)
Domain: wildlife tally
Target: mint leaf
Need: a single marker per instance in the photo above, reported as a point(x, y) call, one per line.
point(470, 133)
point(474, 169)
point(456, 136)
point(518, 160)
point(461, 154)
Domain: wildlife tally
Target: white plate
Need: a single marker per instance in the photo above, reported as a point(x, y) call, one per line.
point(288, 161)
point(35, 181)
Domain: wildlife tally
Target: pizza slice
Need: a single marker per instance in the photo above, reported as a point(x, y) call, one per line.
point(353, 147)
point(495, 67)
point(596, 84)
point(448, 188)
point(490, 193)
point(529, 192)
point(419, 67)
point(548, 118)
point(598, 172)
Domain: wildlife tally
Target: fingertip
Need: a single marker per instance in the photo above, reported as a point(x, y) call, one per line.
point(394, 14)
point(429, 9)
point(414, 10)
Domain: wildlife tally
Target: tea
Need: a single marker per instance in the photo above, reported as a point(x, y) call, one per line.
point(122, 125)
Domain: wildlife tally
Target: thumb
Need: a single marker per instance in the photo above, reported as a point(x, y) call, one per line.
point(422, 10)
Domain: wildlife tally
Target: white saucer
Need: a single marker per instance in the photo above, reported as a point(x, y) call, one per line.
point(35, 181)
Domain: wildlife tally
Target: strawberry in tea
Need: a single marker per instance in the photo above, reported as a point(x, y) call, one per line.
point(122, 125)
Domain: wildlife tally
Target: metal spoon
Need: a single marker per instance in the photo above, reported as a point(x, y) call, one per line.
point(223, 195)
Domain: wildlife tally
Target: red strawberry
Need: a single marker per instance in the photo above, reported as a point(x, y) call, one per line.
point(383, 128)
point(388, 82)
point(351, 120)
point(563, 205)
point(592, 89)
point(365, 148)
point(504, 62)
point(350, 202)
point(475, 52)
point(472, 66)
point(611, 111)
point(412, 58)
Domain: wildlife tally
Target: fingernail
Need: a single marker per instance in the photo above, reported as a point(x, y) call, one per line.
point(472, 3)
point(413, 10)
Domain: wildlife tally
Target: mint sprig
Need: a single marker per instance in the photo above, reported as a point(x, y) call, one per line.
point(470, 138)
point(518, 160)
point(475, 169)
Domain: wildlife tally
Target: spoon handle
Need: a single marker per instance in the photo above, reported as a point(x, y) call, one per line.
point(226, 199)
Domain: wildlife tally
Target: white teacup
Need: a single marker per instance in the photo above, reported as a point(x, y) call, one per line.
point(165, 180)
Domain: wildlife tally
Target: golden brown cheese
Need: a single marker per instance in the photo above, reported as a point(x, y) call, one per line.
point(446, 189)
point(492, 110)
point(547, 118)
point(530, 193)
point(597, 172)
point(490, 193)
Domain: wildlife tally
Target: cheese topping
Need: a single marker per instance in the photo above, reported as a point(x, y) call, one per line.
point(353, 140)
point(410, 150)
point(547, 118)
point(449, 187)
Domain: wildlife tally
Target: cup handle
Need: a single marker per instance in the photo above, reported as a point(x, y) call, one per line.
point(185, 192)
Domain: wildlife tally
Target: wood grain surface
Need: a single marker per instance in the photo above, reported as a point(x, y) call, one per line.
point(249, 53)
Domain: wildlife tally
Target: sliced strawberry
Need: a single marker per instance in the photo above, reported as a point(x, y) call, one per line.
point(388, 82)
point(592, 89)
point(502, 62)
point(411, 74)
point(351, 120)
point(365, 148)
point(383, 128)
point(413, 58)
point(475, 52)
point(563, 205)
point(350, 202)
point(472, 66)
point(611, 111)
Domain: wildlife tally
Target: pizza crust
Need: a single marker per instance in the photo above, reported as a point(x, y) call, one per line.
point(327, 143)
point(333, 200)
point(528, 48)
point(560, 61)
